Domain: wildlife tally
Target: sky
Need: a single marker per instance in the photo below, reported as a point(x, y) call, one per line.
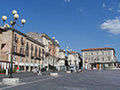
point(78, 24)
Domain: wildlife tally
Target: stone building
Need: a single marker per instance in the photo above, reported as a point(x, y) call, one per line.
point(26, 52)
point(98, 58)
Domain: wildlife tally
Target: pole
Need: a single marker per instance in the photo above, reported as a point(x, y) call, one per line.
point(11, 67)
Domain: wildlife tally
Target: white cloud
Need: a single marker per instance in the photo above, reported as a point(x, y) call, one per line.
point(104, 5)
point(81, 10)
point(118, 11)
point(67, 0)
point(111, 26)
point(110, 9)
point(118, 5)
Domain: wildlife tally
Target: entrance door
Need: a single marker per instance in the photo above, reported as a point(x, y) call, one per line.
point(101, 66)
point(98, 66)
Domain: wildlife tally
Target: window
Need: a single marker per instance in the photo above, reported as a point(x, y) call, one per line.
point(43, 51)
point(102, 59)
point(21, 50)
point(27, 49)
point(39, 52)
point(85, 53)
point(14, 48)
point(31, 50)
point(36, 51)
point(109, 58)
point(16, 38)
point(22, 42)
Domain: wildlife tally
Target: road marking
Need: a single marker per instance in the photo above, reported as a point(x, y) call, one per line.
point(29, 82)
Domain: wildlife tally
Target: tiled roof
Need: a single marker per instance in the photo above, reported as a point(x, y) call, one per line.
point(92, 49)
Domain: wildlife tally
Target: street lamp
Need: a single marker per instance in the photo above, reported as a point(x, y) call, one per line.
point(23, 21)
point(53, 38)
point(4, 18)
point(12, 23)
point(14, 12)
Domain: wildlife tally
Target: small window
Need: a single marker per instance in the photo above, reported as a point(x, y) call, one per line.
point(27, 49)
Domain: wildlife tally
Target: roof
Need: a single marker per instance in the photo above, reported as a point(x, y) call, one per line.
point(93, 49)
point(27, 37)
point(61, 50)
point(45, 35)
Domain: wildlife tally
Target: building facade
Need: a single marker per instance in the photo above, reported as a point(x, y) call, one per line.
point(74, 59)
point(51, 47)
point(98, 58)
point(61, 60)
point(25, 52)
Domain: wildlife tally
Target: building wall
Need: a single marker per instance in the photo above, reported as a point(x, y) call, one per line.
point(19, 50)
point(97, 56)
point(5, 45)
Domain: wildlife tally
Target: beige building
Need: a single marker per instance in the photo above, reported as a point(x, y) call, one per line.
point(51, 47)
point(26, 52)
point(29, 50)
point(98, 58)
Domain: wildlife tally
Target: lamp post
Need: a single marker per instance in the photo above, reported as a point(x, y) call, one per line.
point(7, 26)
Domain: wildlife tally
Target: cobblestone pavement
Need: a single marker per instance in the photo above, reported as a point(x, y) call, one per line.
point(89, 80)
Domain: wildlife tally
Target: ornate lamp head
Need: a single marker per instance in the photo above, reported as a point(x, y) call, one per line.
point(53, 38)
point(4, 18)
point(14, 12)
point(23, 21)
point(16, 16)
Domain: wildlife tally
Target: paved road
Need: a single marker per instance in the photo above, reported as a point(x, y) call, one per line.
point(90, 80)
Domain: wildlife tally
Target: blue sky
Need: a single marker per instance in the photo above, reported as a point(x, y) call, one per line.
point(79, 24)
